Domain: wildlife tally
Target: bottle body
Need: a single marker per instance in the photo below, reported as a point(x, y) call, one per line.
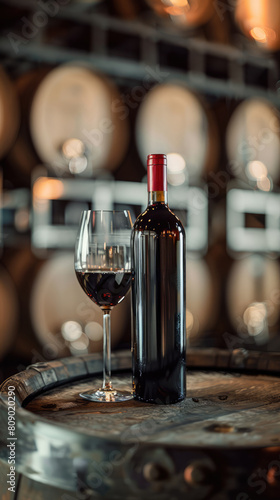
point(158, 306)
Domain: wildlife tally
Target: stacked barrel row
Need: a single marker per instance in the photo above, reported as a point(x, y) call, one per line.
point(79, 125)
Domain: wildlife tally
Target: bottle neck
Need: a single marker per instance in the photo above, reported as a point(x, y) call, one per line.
point(157, 197)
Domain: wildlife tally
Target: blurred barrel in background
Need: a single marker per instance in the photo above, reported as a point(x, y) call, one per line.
point(57, 319)
point(174, 121)
point(72, 121)
point(253, 143)
point(76, 124)
point(22, 157)
point(202, 299)
point(9, 113)
point(9, 312)
point(64, 319)
point(253, 297)
point(22, 266)
point(45, 313)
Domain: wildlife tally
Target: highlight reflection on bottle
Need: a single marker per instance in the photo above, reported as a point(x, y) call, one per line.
point(158, 296)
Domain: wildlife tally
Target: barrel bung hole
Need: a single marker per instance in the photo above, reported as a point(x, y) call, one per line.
point(223, 428)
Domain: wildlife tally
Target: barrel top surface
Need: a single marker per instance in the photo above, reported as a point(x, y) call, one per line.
point(231, 410)
point(233, 401)
point(221, 409)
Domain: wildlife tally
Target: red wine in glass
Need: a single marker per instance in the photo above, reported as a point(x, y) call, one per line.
point(103, 269)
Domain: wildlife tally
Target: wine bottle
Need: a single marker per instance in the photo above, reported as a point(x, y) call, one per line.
point(158, 296)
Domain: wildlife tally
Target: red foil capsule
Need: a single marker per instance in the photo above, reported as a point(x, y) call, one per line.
point(157, 177)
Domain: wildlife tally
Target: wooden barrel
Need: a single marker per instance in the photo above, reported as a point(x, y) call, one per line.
point(9, 311)
point(9, 113)
point(174, 121)
point(56, 317)
point(72, 107)
point(253, 142)
point(64, 319)
point(221, 442)
point(202, 298)
point(253, 298)
point(76, 124)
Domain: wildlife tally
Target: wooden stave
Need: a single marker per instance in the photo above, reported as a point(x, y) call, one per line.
point(244, 288)
point(9, 106)
point(207, 357)
point(202, 290)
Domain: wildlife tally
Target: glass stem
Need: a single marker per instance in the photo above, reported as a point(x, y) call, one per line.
point(107, 350)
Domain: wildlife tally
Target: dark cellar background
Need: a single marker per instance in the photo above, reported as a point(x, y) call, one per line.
point(234, 287)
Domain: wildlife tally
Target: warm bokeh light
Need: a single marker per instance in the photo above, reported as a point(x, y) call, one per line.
point(176, 169)
point(259, 19)
point(272, 475)
point(22, 219)
point(180, 3)
point(79, 346)
point(78, 165)
point(189, 321)
point(176, 179)
point(48, 189)
point(258, 34)
point(94, 331)
point(263, 35)
point(74, 151)
point(184, 12)
point(256, 169)
point(175, 162)
point(73, 148)
point(265, 184)
point(255, 317)
point(174, 11)
point(71, 330)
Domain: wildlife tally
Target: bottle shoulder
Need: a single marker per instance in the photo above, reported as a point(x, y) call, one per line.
point(158, 218)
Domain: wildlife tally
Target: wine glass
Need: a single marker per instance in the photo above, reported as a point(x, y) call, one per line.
point(103, 269)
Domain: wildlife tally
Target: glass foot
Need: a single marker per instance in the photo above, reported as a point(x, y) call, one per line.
point(107, 395)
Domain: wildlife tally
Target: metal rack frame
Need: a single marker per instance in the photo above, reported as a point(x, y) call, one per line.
point(104, 194)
